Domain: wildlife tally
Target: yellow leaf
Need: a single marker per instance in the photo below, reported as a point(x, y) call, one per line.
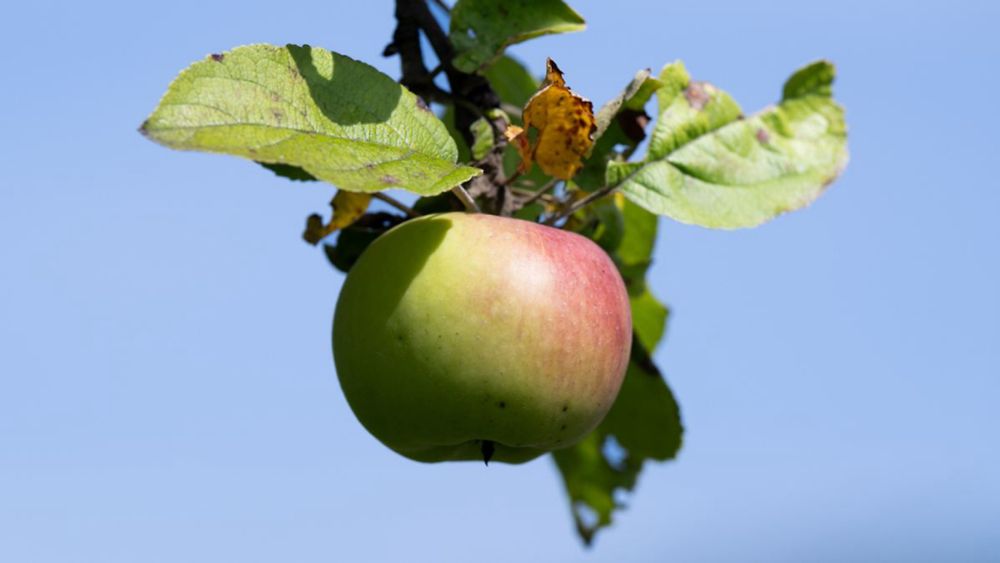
point(348, 207)
point(564, 123)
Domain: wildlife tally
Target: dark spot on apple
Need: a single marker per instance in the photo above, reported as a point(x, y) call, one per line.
point(502, 404)
point(217, 57)
point(565, 408)
point(563, 427)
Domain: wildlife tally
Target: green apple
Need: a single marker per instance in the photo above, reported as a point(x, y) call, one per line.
point(470, 336)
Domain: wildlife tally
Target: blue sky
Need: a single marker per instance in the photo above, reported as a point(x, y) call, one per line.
point(166, 386)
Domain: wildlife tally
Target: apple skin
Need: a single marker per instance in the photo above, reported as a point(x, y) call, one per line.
point(457, 328)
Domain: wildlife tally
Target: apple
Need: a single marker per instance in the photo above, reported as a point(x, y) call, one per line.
point(470, 336)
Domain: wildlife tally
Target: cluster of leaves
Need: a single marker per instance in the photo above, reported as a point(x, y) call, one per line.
point(311, 114)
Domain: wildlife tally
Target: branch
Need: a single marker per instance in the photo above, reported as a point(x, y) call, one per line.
point(466, 199)
point(580, 204)
point(406, 44)
point(541, 192)
point(471, 95)
point(396, 203)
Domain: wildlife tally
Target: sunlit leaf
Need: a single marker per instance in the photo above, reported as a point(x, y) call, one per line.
point(563, 123)
point(709, 167)
point(482, 29)
point(690, 112)
point(335, 118)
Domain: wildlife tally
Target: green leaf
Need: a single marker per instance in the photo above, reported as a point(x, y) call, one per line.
point(644, 423)
point(337, 119)
point(649, 317)
point(710, 168)
point(637, 244)
point(634, 97)
point(813, 79)
point(645, 420)
point(591, 481)
point(696, 109)
point(602, 221)
point(483, 139)
point(354, 239)
point(448, 118)
point(620, 128)
point(511, 81)
point(482, 29)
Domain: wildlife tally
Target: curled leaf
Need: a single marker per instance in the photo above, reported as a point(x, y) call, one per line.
point(564, 123)
point(708, 166)
point(348, 207)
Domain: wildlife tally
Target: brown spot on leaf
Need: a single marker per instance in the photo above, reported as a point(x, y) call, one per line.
point(389, 180)
point(697, 95)
point(564, 122)
point(763, 137)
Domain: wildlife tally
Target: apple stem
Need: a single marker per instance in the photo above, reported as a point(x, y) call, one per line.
point(488, 447)
point(466, 199)
point(396, 203)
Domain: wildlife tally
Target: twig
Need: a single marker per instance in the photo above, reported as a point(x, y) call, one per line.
point(442, 5)
point(466, 199)
point(472, 88)
point(542, 191)
point(529, 193)
point(510, 180)
point(396, 203)
point(470, 93)
point(580, 204)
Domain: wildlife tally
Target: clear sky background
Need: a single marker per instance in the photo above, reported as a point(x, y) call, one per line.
point(167, 392)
